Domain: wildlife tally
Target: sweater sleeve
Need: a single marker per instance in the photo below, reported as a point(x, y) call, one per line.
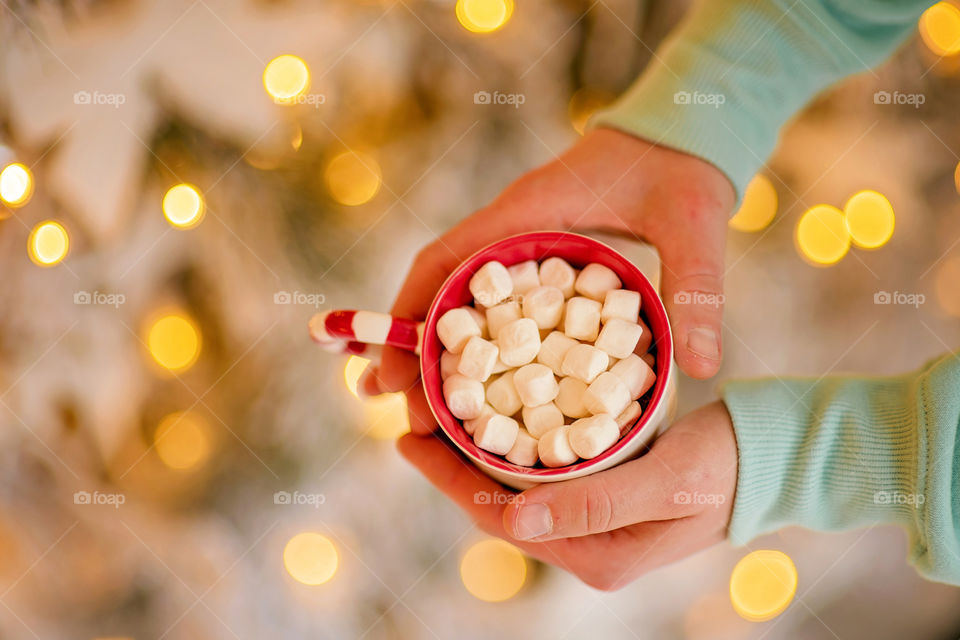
point(734, 71)
point(843, 452)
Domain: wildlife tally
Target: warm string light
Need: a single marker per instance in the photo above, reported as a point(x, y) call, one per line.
point(759, 206)
point(385, 416)
point(825, 233)
point(286, 78)
point(352, 371)
point(311, 558)
point(763, 584)
point(181, 440)
point(16, 184)
point(493, 570)
point(483, 16)
point(48, 243)
point(353, 178)
point(869, 219)
point(183, 206)
point(940, 29)
point(174, 341)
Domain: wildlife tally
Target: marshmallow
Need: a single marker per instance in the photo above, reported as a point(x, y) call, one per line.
point(607, 394)
point(464, 396)
point(650, 359)
point(525, 276)
point(479, 317)
point(646, 338)
point(478, 359)
point(584, 362)
point(448, 364)
point(524, 451)
point(595, 280)
point(502, 315)
point(554, 448)
point(544, 305)
point(619, 337)
point(621, 303)
point(455, 327)
point(557, 272)
point(519, 342)
point(570, 398)
point(589, 437)
point(497, 435)
point(636, 374)
point(581, 320)
point(491, 284)
point(486, 412)
point(628, 417)
point(538, 420)
point(552, 350)
point(502, 395)
point(535, 384)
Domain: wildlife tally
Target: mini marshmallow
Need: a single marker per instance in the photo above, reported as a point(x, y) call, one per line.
point(524, 451)
point(464, 396)
point(646, 338)
point(581, 320)
point(539, 420)
point(448, 364)
point(570, 398)
point(628, 417)
point(636, 374)
point(584, 362)
point(607, 394)
point(486, 412)
point(491, 284)
point(619, 337)
point(497, 435)
point(552, 350)
point(525, 276)
point(589, 437)
point(502, 315)
point(455, 327)
point(595, 280)
point(621, 303)
point(479, 317)
point(544, 305)
point(519, 342)
point(557, 272)
point(535, 384)
point(478, 359)
point(554, 448)
point(502, 395)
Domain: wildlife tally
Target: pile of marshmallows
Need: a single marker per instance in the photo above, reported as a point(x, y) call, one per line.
point(534, 324)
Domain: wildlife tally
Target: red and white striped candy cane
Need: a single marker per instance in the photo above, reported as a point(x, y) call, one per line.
point(358, 332)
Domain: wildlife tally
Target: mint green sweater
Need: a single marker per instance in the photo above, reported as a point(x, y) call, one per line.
point(839, 452)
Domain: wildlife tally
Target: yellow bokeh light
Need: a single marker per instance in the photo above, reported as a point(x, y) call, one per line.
point(822, 235)
point(183, 206)
point(353, 178)
point(352, 371)
point(763, 584)
point(584, 103)
point(759, 205)
point(310, 558)
point(286, 78)
point(940, 28)
point(483, 16)
point(948, 285)
point(493, 570)
point(174, 341)
point(48, 243)
point(869, 218)
point(181, 440)
point(385, 416)
point(16, 184)
point(296, 139)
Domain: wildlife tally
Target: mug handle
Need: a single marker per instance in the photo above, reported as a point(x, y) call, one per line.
point(347, 331)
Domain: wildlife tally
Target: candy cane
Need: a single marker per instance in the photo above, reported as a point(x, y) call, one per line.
point(357, 332)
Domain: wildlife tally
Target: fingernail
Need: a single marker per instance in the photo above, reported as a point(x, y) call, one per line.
point(704, 342)
point(533, 520)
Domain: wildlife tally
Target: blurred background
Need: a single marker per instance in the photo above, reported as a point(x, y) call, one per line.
point(185, 183)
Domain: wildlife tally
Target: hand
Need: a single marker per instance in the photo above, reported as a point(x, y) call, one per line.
point(608, 181)
point(611, 527)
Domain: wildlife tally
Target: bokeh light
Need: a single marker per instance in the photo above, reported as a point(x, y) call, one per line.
point(493, 570)
point(869, 217)
point(182, 440)
point(822, 235)
point(948, 285)
point(183, 206)
point(940, 28)
point(286, 78)
point(759, 205)
point(352, 371)
point(385, 416)
point(296, 138)
point(584, 103)
point(483, 16)
point(311, 558)
point(174, 341)
point(353, 178)
point(48, 243)
point(16, 184)
point(763, 584)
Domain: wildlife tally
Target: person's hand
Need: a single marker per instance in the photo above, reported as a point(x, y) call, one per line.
point(608, 181)
point(610, 527)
